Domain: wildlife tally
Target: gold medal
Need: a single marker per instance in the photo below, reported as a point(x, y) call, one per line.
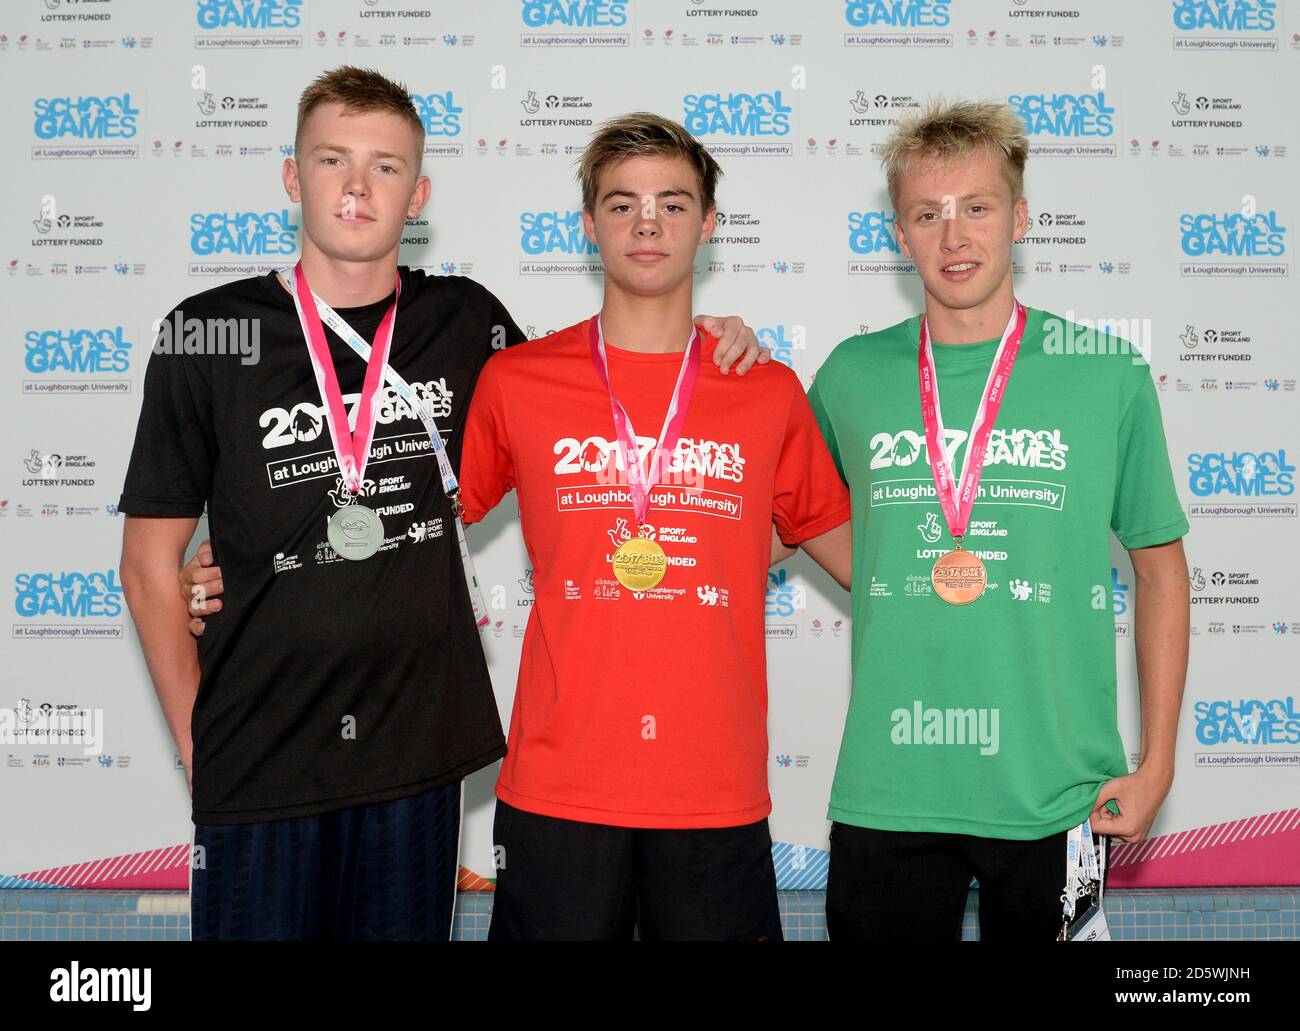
point(958, 577)
point(639, 564)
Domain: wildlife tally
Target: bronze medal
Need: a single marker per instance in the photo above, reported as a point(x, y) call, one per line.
point(639, 564)
point(958, 577)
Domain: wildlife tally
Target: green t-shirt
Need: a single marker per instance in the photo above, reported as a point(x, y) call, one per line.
point(995, 718)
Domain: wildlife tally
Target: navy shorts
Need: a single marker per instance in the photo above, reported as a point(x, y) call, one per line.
point(376, 872)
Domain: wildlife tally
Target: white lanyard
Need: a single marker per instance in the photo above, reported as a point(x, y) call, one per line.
point(450, 484)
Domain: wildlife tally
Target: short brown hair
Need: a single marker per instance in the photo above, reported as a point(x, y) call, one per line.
point(360, 89)
point(943, 131)
point(642, 134)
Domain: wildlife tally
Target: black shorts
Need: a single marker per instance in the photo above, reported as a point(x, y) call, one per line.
point(562, 880)
point(887, 886)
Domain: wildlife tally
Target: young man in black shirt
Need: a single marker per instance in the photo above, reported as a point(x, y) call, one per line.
point(325, 720)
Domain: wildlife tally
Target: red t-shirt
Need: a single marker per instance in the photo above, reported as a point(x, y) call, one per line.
point(644, 709)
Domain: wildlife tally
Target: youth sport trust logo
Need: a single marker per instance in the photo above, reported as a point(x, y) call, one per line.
point(710, 595)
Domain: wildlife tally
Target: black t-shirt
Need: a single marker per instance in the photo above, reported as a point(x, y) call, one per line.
point(325, 683)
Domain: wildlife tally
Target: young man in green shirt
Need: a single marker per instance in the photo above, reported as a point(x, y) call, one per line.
point(981, 734)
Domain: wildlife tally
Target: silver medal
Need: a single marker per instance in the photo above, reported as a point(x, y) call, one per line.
point(355, 532)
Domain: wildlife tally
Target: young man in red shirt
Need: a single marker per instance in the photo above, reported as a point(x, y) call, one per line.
point(634, 789)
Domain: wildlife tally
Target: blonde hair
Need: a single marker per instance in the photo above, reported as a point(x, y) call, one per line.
point(642, 134)
point(942, 131)
point(360, 89)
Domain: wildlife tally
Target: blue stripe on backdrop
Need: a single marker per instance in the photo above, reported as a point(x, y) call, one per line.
point(799, 867)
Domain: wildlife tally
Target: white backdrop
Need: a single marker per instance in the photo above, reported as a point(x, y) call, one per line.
point(1161, 191)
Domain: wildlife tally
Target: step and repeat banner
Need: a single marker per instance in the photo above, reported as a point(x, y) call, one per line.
point(144, 142)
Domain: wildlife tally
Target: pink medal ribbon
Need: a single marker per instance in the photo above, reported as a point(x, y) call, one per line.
point(639, 485)
point(351, 449)
point(958, 499)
